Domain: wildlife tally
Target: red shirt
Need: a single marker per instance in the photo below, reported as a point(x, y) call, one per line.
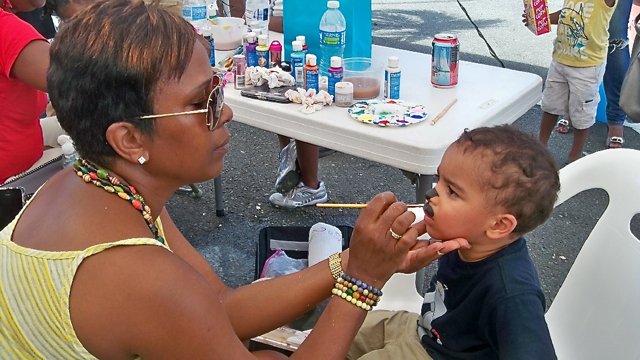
point(21, 141)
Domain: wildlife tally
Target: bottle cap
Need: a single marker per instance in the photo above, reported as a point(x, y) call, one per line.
point(301, 38)
point(333, 4)
point(207, 31)
point(238, 58)
point(63, 139)
point(311, 59)
point(285, 66)
point(275, 46)
point(68, 149)
point(336, 62)
point(344, 87)
point(262, 39)
point(393, 61)
point(251, 37)
point(296, 45)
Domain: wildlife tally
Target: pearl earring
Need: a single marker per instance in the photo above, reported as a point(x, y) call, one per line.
point(142, 160)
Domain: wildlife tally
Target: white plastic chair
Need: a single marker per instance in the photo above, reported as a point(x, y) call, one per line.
point(596, 313)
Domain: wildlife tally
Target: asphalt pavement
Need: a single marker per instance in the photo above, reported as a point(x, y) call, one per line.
point(229, 242)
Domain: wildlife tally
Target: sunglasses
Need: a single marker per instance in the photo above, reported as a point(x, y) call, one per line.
point(215, 103)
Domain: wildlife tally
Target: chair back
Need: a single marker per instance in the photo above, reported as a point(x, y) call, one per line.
point(596, 313)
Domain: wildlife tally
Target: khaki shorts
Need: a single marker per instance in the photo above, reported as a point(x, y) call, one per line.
point(573, 91)
point(388, 335)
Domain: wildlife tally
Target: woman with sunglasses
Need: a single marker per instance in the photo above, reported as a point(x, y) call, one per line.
point(94, 267)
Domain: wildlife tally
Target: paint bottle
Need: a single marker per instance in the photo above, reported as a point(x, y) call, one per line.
point(297, 63)
point(344, 94)
point(275, 53)
point(239, 65)
point(207, 32)
point(250, 49)
point(305, 48)
point(336, 73)
point(311, 73)
point(392, 79)
point(262, 51)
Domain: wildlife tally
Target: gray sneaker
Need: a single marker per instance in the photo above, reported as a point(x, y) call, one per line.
point(300, 196)
point(288, 175)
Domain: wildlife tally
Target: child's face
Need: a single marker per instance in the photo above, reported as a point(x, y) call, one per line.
point(459, 209)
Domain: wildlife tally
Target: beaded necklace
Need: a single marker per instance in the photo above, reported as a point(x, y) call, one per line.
point(111, 184)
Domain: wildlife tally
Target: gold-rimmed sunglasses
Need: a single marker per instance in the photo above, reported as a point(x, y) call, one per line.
point(215, 103)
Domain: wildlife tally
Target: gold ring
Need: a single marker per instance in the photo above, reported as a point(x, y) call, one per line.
point(394, 235)
point(439, 253)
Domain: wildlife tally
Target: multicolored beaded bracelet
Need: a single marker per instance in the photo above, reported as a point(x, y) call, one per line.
point(357, 292)
point(111, 184)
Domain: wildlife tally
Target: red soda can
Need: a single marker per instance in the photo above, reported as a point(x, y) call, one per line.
point(445, 58)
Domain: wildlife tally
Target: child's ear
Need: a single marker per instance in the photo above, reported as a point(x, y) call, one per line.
point(503, 226)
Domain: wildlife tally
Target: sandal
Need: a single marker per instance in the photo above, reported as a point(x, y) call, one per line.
point(563, 126)
point(615, 142)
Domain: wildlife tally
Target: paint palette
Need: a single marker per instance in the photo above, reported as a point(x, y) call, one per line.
point(387, 112)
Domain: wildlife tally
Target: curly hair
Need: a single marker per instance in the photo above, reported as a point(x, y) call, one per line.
point(106, 66)
point(523, 175)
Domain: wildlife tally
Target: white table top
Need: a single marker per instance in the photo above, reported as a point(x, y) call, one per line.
point(486, 96)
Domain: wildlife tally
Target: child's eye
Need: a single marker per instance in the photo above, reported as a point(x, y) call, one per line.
point(451, 191)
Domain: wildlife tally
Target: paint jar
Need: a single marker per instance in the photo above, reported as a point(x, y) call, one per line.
point(344, 94)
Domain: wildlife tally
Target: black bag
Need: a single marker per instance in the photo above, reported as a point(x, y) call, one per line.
point(11, 202)
point(630, 92)
point(293, 240)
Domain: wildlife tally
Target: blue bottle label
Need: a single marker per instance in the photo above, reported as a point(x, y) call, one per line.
point(329, 38)
point(252, 58)
point(262, 57)
point(311, 79)
point(297, 69)
point(212, 57)
point(198, 12)
point(392, 85)
point(334, 77)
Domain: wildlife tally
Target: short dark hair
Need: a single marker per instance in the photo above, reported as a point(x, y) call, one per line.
point(523, 175)
point(106, 65)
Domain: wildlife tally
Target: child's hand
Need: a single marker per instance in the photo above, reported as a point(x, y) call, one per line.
point(524, 18)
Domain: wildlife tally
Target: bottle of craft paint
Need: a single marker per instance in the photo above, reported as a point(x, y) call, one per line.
point(392, 79)
point(336, 72)
point(239, 65)
point(311, 73)
point(262, 51)
point(303, 40)
point(275, 53)
point(250, 49)
point(207, 32)
point(297, 63)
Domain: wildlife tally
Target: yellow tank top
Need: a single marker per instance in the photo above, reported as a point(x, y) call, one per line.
point(35, 322)
point(583, 36)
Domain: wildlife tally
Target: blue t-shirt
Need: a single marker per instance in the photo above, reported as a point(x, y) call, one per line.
point(490, 309)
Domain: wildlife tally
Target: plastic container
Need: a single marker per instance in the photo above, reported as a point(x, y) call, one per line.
point(303, 41)
point(206, 32)
point(239, 65)
point(297, 62)
point(332, 35)
point(392, 79)
point(194, 10)
point(227, 32)
point(250, 49)
point(366, 76)
point(311, 80)
point(262, 51)
point(70, 154)
point(336, 73)
point(344, 94)
point(257, 14)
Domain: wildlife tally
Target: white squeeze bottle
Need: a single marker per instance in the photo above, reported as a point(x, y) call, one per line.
point(332, 35)
point(256, 14)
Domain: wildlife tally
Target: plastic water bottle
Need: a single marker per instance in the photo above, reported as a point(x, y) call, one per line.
point(70, 154)
point(256, 14)
point(332, 35)
point(194, 10)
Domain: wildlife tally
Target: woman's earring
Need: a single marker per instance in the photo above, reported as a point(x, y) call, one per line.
point(142, 160)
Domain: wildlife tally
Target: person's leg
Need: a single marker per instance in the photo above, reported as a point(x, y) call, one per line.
point(388, 335)
point(308, 163)
point(579, 139)
point(547, 124)
point(617, 65)
point(555, 98)
point(283, 140)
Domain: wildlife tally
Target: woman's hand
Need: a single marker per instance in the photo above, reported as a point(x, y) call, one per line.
point(376, 252)
point(424, 252)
